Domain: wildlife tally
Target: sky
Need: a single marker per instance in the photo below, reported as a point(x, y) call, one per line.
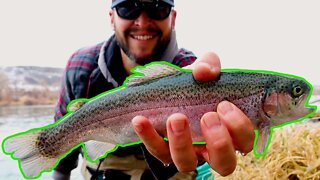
point(282, 36)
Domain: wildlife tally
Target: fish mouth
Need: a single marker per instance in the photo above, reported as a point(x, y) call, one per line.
point(306, 109)
point(298, 110)
point(282, 108)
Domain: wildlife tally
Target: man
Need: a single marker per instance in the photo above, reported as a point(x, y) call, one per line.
point(144, 32)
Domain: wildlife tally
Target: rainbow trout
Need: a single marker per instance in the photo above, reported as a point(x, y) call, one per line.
point(156, 91)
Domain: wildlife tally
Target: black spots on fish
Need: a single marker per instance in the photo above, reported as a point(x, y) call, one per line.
point(44, 143)
point(260, 87)
point(82, 116)
point(270, 82)
point(219, 91)
point(273, 81)
point(254, 102)
point(283, 88)
point(41, 141)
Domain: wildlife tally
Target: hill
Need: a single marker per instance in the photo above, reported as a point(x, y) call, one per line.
point(29, 85)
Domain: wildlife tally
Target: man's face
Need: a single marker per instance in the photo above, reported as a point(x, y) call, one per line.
point(142, 39)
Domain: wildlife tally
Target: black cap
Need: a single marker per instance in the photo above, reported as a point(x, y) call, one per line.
point(116, 2)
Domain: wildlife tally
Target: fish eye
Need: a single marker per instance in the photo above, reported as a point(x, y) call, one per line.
point(297, 91)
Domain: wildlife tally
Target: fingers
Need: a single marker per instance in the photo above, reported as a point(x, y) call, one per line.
point(180, 143)
point(180, 149)
point(151, 139)
point(220, 152)
point(207, 68)
point(224, 131)
point(239, 126)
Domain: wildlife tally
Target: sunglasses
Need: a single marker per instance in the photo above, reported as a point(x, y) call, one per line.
point(131, 10)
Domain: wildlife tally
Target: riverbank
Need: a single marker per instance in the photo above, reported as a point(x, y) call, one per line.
point(34, 97)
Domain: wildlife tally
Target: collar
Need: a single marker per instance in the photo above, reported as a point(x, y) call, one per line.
point(110, 52)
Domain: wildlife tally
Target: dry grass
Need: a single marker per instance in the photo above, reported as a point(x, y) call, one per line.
point(294, 153)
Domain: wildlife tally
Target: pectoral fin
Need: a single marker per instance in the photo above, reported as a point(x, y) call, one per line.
point(262, 140)
point(96, 149)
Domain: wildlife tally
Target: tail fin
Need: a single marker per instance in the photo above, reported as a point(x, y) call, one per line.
point(22, 147)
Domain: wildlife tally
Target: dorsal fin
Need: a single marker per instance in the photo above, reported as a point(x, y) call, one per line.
point(151, 72)
point(76, 104)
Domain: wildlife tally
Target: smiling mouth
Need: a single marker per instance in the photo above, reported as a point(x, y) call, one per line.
point(142, 37)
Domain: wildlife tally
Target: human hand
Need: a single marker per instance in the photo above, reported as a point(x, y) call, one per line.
point(224, 131)
point(207, 68)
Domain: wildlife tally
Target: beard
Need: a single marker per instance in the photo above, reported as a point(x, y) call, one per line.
point(157, 51)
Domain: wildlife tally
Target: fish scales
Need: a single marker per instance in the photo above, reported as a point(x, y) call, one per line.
point(179, 90)
point(267, 99)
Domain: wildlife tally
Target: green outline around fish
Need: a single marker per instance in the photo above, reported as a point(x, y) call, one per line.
point(139, 74)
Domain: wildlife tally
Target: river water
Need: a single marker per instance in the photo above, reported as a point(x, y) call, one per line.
point(14, 119)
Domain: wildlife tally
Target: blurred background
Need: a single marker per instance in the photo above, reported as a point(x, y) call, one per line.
point(37, 37)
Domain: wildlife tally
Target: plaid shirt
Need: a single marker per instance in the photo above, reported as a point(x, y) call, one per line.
point(83, 79)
